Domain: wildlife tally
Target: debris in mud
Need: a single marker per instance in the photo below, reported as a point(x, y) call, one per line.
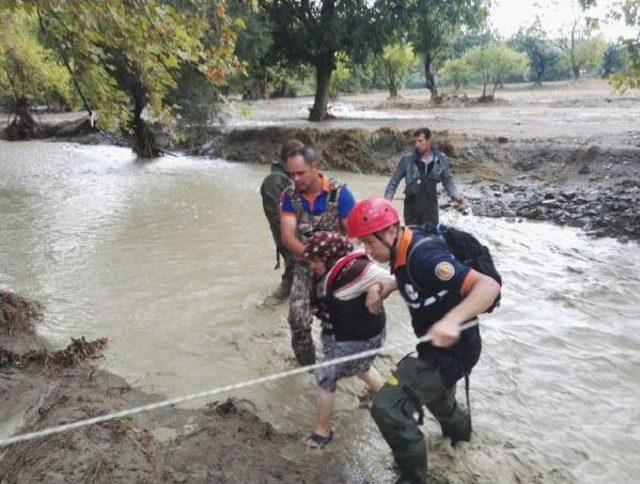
point(18, 316)
point(231, 406)
point(76, 354)
point(18, 313)
point(354, 150)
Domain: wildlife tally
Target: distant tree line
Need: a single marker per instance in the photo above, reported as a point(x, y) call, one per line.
point(142, 65)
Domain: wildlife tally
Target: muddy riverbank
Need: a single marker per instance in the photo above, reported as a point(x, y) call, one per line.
point(41, 387)
point(561, 181)
point(564, 181)
point(513, 158)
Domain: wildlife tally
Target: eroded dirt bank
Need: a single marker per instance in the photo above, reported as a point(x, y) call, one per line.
point(41, 387)
point(593, 187)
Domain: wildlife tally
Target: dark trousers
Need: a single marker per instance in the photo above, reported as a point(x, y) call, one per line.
point(421, 203)
point(416, 383)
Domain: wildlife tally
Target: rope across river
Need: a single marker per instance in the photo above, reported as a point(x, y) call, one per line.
point(210, 393)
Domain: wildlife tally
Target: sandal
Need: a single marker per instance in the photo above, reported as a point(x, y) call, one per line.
point(317, 441)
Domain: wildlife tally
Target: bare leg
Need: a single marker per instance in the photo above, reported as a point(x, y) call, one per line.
point(325, 408)
point(372, 378)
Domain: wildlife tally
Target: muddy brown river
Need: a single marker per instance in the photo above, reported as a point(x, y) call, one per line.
point(170, 258)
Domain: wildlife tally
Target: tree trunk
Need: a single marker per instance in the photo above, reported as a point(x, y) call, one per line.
point(25, 127)
point(262, 83)
point(143, 140)
point(430, 82)
point(495, 86)
point(392, 83)
point(323, 80)
point(393, 91)
point(575, 68)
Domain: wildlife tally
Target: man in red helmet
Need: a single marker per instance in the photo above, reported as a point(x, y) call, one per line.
point(441, 293)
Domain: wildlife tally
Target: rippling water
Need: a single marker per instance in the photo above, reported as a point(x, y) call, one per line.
point(169, 258)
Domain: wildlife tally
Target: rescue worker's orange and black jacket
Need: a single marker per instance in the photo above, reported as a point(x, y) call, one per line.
point(436, 284)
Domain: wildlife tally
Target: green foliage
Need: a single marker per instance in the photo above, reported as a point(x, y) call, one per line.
point(434, 24)
point(457, 72)
point(194, 101)
point(27, 69)
point(616, 60)
point(415, 78)
point(341, 75)
point(396, 60)
point(254, 48)
point(313, 32)
point(284, 80)
point(494, 63)
point(545, 58)
point(589, 54)
point(629, 10)
point(363, 77)
point(470, 37)
point(127, 56)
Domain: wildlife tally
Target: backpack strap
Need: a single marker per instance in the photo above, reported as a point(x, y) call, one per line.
point(334, 196)
point(466, 389)
point(296, 202)
point(428, 238)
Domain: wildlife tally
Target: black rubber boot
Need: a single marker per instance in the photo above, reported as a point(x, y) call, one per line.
point(412, 463)
point(457, 431)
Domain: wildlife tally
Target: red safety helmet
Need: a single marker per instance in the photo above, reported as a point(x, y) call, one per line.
point(371, 215)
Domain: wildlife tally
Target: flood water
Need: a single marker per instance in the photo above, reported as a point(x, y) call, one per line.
point(169, 258)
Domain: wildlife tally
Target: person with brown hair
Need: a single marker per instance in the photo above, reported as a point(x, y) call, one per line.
point(422, 170)
point(313, 203)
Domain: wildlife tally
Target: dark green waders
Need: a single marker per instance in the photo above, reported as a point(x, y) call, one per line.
point(421, 203)
point(271, 191)
point(416, 383)
point(284, 289)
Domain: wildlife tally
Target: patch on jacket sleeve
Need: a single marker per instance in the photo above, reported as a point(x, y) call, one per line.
point(445, 271)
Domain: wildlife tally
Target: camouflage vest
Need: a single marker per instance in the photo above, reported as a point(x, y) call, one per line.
point(329, 220)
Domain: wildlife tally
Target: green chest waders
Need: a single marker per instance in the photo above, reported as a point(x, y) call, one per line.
point(421, 203)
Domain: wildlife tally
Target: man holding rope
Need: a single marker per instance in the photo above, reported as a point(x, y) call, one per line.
point(442, 294)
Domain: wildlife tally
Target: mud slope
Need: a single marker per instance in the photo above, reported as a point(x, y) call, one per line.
point(41, 388)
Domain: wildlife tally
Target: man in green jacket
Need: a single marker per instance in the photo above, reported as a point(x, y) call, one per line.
point(271, 190)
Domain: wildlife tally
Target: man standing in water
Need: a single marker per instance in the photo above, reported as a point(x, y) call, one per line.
point(271, 190)
point(312, 204)
point(441, 293)
point(422, 170)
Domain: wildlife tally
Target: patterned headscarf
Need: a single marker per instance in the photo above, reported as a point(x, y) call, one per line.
point(327, 247)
